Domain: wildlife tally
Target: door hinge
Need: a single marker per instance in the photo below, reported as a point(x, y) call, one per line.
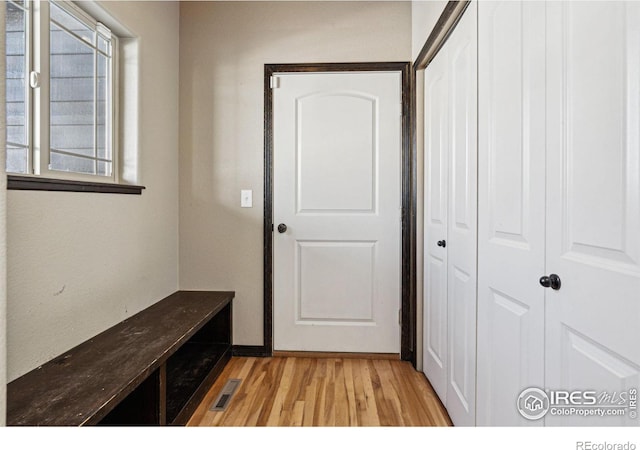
point(274, 82)
point(400, 316)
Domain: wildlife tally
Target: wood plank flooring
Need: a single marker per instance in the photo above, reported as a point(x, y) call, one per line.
point(309, 391)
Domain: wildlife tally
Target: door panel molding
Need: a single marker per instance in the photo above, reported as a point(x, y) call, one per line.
point(344, 196)
point(408, 264)
point(360, 256)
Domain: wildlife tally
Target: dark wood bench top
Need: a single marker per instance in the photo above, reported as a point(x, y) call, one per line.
point(82, 385)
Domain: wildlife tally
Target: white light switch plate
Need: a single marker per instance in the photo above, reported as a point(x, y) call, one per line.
point(246, 199)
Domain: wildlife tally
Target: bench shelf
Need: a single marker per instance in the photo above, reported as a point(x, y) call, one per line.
point(151, 369)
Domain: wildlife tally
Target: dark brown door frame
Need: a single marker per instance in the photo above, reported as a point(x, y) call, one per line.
point(408, 306)
point(451, 15)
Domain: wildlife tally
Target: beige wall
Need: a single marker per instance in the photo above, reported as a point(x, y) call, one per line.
point(424, 15)
point(223, 49)
point(79, 263)
point(3, 235)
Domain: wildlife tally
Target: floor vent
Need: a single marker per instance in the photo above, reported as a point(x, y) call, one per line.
point(224, 397)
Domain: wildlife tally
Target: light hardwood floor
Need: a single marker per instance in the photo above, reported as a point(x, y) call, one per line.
point(294, 391)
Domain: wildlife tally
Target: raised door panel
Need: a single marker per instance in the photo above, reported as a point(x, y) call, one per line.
point(593, 216)
point(436, 126)
point(511, 207)
point(336, 153)
point(588, 365)
point(505, 361)
point(335, 282)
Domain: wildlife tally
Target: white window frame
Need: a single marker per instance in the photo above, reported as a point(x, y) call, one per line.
point(38, 116)
point(28, 9)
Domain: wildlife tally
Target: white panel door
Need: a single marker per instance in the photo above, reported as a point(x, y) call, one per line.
point(462, 222)
point(511, 207)
point(593, 201)
point(450, 221)
point(436, 170)
point(337, 152)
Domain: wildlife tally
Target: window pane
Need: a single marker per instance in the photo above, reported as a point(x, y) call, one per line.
point(80, 104)
point(17, 159)
point(71, 112)
point(72, 105)
point(72, 24)
point(77, 139)
point(104, 168)
point(70, 163)
point(16, 93)
point(70, 57)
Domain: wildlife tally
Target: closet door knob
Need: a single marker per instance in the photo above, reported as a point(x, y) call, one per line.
point(552, 281)
point(442, 243)
point(282, 228)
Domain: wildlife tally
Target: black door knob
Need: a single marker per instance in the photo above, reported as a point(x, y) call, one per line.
point(552, 281)
point(282, 228)
point(442, 244)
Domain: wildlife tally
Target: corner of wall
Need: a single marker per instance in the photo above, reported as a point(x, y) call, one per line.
point(3, 237)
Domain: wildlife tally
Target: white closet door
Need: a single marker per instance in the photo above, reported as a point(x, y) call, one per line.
point(511, 210)
point(435, 223)
point(462, 223)
point(593, 201)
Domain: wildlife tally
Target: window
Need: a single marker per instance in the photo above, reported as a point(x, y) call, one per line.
point(60, 92)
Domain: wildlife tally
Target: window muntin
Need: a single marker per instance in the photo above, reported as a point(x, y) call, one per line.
point(74, 114)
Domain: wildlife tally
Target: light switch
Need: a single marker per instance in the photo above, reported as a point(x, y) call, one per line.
point(246, 198)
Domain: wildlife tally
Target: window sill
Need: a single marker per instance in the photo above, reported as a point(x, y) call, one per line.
point(26, 183)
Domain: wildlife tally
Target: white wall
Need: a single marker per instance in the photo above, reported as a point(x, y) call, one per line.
point(424, 15)
point(223, 49)
point(79, 263)
point(3, 234)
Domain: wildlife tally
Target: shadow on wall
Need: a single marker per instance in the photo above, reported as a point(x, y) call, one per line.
point(223, 49)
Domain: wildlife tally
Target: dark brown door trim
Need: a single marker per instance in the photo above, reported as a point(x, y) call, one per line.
point(451, 15)
point(408, 306)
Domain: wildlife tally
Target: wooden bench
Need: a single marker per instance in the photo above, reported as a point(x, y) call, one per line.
point(151, 369)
